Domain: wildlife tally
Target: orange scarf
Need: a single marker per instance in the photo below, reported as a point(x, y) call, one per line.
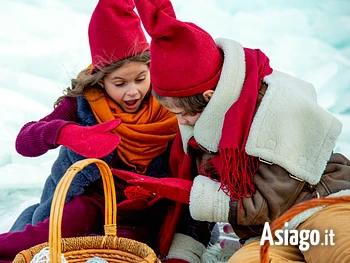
point(144, 135)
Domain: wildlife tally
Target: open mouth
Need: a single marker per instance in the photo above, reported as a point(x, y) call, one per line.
point(131, 103)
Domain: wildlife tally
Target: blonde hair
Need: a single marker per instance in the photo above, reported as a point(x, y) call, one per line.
point(86, 79)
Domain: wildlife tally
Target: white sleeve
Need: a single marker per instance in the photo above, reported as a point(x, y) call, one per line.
point(207, 201)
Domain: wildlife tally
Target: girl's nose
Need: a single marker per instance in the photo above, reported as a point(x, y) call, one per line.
point(132, 90)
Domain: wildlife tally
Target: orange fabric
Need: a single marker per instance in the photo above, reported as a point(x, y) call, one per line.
point(335, 216)
point(144, 135)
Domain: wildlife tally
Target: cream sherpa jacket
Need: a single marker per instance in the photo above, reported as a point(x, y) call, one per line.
point(289, 129)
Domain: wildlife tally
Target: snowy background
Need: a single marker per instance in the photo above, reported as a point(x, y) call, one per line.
point(43, 44)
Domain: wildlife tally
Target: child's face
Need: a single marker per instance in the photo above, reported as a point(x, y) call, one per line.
point(182, 117)
point(128, 85)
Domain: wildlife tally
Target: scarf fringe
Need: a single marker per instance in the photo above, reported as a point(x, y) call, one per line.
point(237, 171)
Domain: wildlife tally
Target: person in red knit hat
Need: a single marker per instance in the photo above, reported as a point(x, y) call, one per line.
point(108, 113)
point(252, 141)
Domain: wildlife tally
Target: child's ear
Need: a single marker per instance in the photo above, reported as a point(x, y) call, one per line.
point(208, 94)
point(101, 83)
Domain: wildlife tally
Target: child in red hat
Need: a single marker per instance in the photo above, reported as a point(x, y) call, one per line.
point(108, 113)
point(253, 139)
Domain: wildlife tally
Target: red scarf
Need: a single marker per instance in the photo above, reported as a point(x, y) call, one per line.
point(236, 167)
point(180, 164)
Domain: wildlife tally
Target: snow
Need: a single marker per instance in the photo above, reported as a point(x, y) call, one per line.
point(43, 44)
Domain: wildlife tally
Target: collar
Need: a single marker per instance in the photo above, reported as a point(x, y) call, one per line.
point(208, 128)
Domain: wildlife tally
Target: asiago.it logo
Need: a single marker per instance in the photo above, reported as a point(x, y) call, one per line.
point(303, 238)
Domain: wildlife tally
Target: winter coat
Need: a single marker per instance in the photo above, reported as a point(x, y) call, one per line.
point(291, 136)
point(277, 190)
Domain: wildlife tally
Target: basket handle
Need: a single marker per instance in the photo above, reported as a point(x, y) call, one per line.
point(60, 197)
point(293, 211)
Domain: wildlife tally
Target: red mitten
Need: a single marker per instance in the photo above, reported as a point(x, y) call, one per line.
point(138, 199)
point(175, 260)
point(137, 204)
point(172, 188)
point(90, 141)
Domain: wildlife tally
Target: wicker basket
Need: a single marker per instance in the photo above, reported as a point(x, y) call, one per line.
point(80, 249)
point(293, 211)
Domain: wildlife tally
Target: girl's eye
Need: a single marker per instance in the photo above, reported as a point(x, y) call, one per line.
point(119, 84)
point(140, 79)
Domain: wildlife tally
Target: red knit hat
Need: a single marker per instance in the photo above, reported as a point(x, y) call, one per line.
point(115, 33)
point(184, 58)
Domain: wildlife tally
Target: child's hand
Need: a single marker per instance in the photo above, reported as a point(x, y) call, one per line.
point(138, 199)
point(90, 141)
point(172, 188)
point(138, 204)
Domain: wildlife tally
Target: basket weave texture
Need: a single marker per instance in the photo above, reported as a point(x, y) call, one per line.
point(80, 249)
